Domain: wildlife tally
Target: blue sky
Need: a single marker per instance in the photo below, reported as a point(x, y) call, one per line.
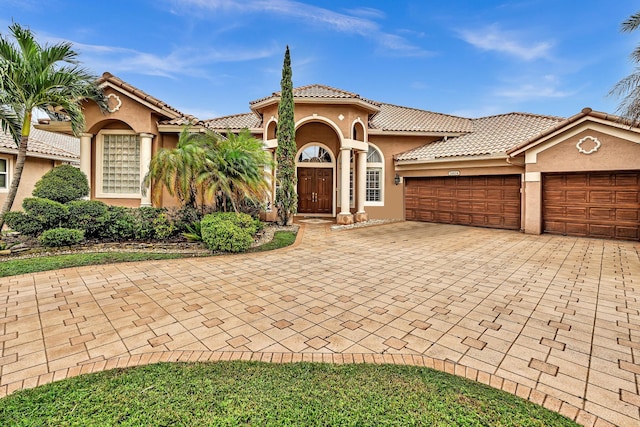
point(472, 58)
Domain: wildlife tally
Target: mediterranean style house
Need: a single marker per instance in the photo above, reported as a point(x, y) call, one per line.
point(361, 159)
point(45, 151)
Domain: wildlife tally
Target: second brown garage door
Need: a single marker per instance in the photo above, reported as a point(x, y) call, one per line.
point(595, 204)
point(484, 201)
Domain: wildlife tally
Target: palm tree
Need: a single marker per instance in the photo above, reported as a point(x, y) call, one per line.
point(178, 169)
point(236, 171)
point(223, 171)
point(32, 77)
point(629, 87)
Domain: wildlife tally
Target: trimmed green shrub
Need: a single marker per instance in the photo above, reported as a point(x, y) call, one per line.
point(50, 213)
point(163, 228)
point(23, 223)
point(61, 237)
point(228, 231)
point(242, 220)
point(63, 184)
point(87, 215)
point(119, 224)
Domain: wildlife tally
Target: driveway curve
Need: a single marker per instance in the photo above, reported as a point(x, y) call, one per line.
point(552, 319)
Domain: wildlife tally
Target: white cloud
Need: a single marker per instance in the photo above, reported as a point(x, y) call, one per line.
point(178, 62)
point(358, 21)
point(547, 87)
point(493, 38)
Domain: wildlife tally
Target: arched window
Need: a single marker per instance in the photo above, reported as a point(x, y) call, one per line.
point(314, 154)
point(375, 177)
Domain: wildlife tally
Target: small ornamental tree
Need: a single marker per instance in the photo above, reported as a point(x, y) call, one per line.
point(62, 184)
point(286, 196)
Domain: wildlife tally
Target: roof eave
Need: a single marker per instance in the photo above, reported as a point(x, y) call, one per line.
point(319, 100)
point(13, 151)
point(415, 133)
point(493, 156)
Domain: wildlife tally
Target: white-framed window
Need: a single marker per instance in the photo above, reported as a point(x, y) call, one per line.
point(4, 174)
point(118, 164)
point(375, 177)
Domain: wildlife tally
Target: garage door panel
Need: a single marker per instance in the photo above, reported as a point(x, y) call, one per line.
point(580, 213)
point(596, 230)
point(576, 229)
point(574, 180)
point(627, 233)
point(627, 179)
point(601, 196)
point(487, 201)
point(632, 197)
point(607, 205)
point(573, 196)
point(598, 214)
point(630, 215)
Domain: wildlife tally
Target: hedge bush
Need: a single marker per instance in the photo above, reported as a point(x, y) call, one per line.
point(87, 215)
point(63, 184)
point(119, 224)
point(23, 223)
point(228, 231)
point(56, 237)
point(50, 213)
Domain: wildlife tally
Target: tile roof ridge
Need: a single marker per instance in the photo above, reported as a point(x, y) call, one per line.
point(353, 94)
point(229, 116)
point(520, 113)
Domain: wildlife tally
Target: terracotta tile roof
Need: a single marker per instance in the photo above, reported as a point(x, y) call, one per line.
point(236, 121)
point(174, 116)
point(490, 135)
point(396, 118)
point(610, 118)
point(319, 91)
point(43, 143)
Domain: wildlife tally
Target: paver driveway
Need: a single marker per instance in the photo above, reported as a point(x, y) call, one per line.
point(552, 319)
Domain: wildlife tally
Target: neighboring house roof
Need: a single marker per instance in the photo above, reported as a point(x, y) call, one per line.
point(174, 116)
point(492, 135)
point(45, 144)
point(234, 122)
point(404, 119)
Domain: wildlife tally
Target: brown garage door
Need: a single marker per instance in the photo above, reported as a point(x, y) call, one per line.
point(595, 204)
point(484, 201)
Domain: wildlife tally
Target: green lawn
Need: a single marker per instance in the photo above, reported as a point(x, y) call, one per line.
point(12, 267)
point(262, 394)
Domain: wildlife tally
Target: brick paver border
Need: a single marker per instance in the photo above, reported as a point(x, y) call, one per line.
point(551, 403)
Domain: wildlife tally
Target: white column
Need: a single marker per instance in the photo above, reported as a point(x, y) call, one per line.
point(145, 159)
point(344, 217)
point(85, 156)
point(361, 215)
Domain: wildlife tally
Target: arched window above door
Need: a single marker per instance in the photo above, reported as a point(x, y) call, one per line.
point(314, 154)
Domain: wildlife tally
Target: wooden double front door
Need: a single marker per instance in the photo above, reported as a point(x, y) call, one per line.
point(315, 190)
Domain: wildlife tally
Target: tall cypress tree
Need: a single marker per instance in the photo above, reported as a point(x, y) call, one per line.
point(286, 197)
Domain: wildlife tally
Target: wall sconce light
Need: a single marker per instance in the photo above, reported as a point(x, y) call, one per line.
point(396, 180)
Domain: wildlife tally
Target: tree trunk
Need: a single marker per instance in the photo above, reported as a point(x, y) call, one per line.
point(15, 182)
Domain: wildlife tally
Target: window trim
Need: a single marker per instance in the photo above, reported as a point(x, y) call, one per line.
point(7, 159)
point(376, 165)
point(99, 193)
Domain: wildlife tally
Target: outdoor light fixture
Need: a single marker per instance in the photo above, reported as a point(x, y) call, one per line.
point(396, 180)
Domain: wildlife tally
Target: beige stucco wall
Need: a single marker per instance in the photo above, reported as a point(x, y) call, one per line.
point(33, 170)
point(619, 150)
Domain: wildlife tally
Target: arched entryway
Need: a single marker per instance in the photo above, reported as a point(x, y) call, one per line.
point(316, 170)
